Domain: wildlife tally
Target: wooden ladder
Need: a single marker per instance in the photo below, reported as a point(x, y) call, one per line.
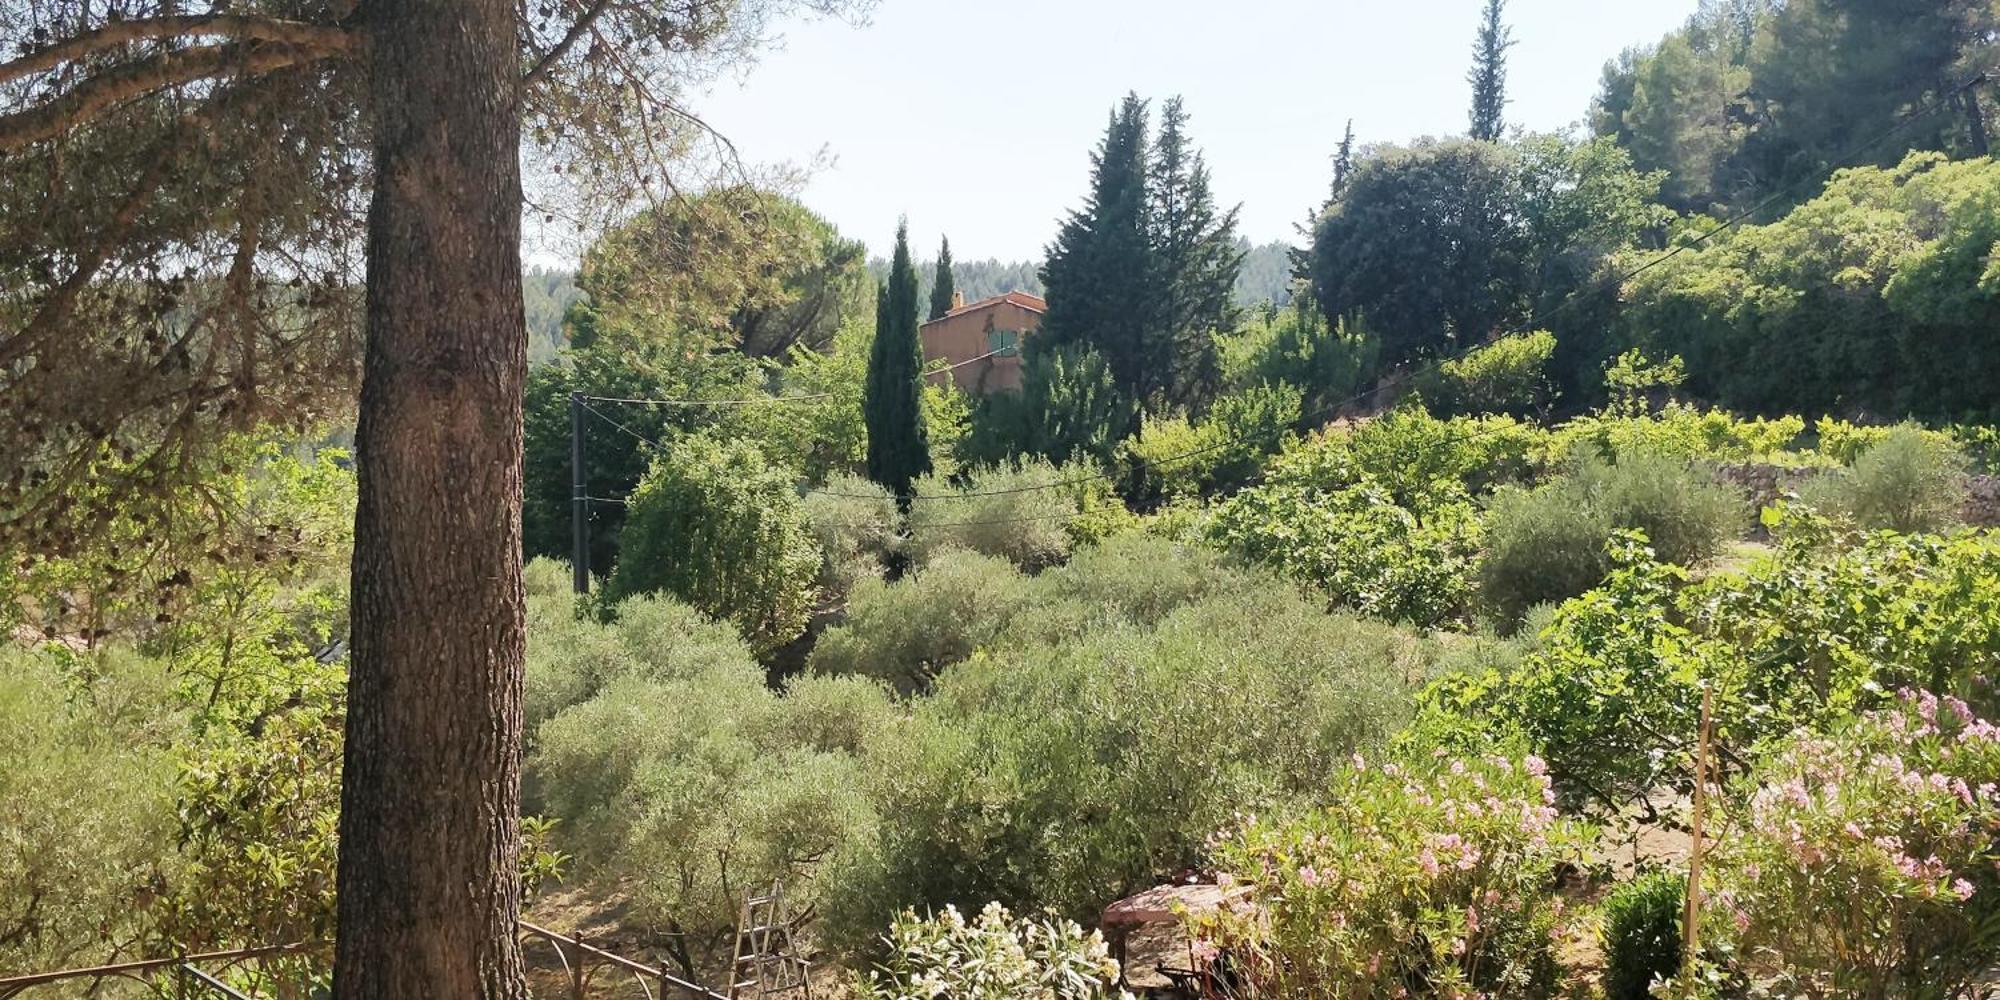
point(765, 961)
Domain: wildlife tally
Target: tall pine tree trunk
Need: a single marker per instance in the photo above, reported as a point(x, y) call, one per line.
point(429, 827)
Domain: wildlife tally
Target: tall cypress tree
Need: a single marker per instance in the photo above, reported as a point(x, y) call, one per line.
point(1343, 159)
point(1196, 260)
point(1100, 275)
point(942, 289)
point(1488, 75)
point(898, 446)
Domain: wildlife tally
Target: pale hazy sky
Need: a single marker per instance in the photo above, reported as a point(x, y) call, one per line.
point(976, 118)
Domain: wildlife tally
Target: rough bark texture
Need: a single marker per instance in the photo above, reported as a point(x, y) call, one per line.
point(429, 827)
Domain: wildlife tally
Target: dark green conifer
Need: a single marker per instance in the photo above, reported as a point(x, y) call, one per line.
point(1196, 261)
point(1488, 75)
point(942, 289)
point(898, 446)
point(1100, 274)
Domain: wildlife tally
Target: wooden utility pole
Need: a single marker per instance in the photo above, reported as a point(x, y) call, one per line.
point(579, 504)
point(1691, 918)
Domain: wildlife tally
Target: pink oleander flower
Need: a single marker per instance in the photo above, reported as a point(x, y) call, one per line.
point(1962, 889)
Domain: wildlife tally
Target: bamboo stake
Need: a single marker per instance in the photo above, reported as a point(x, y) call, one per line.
point(1691, 918)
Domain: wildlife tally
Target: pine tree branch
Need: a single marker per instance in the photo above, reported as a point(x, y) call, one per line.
point(113, 87)
point(233, 26)
point(576, 31)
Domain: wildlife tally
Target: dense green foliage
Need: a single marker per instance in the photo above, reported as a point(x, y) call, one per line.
point(1067, 773)
point(671, 764)
point(168, 762)
point(716, 526)
point(1875, 296)
point(1801, 638)
point(1443, 243)
point(736, 267)
point(1509, 375)
point(1754, 98)
point(1069, 407)
point(1018, 512)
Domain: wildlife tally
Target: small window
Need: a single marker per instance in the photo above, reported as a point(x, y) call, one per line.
point(1003, 342)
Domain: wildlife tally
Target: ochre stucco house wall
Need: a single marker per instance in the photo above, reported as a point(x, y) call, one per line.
point(983, 339)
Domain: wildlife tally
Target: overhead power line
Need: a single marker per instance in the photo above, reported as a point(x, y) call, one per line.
point(761, 400)
point(1334, 407)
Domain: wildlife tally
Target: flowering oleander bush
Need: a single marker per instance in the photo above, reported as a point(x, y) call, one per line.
point(1866, 863)
point(993, 956)
point(1434, 880)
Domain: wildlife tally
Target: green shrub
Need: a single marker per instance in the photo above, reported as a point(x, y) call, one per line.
point(906, 633)
point(1438, 880)
point(1509, 376)
point(1908, 480)
point(1642, 933)
point(855, 522)
point(88, 801)
point(684, 792)
point(1542, 545)
point(1137, 579)
point(1685, 432)
point(714, 525)
point(1864, 865)
point(1154, 462)
point(1379, 518)
point(1069, 409)
point(1687, 516)
point(994, 956)
point(572, 657)
point(1359, 546)
point(1244, 428)
point(1611, 695)
point(1008, 511)
point(830, 715)
point(1101, 513)
point(1548, 544)
point(1329, 364)
point(1171, 459)
point(1409, 450)
point(1067, 774)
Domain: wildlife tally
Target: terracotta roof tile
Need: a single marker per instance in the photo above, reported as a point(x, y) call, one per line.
point(1033, 303)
